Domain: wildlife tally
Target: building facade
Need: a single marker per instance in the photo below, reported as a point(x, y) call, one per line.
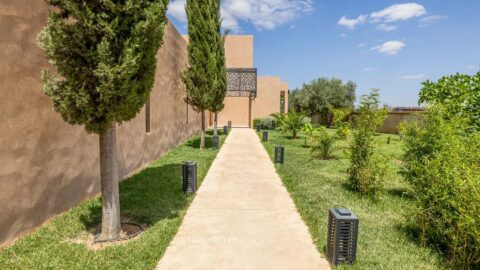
point(246, 102)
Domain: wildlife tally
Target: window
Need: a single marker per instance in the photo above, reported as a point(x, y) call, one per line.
point(147, 116)
point(282, 102)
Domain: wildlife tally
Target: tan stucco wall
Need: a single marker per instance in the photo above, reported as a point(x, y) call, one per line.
point(240, 112)
point(239, 51)
point(47, 166)
point(395, 118)
point(268, 96)
point(236, 110)
point(390, 125)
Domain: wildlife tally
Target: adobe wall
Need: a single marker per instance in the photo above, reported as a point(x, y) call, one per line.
point(268, 96)
point(48, 166)
point(236, 110)
point(390, 125)
point(239, 51)
point(395, 118)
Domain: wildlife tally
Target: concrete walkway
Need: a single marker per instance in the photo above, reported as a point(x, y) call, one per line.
point(242, 217)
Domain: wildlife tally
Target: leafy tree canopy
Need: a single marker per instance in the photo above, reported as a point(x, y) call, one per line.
point(104, 52)
point(322, 95)
point(458, 94)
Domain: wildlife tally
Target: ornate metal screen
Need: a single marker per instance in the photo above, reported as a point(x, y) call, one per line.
point(242, 82)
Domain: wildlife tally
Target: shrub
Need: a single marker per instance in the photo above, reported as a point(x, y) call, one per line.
point(343, 131)
point(267, 123)
point(325, 145)
point(458, 94)
point(367, 168)
point(290, 122)
point(441, 162)
point(340, 116)
point(310, 133)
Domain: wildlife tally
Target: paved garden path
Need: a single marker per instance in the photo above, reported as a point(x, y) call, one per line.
point(242, 217)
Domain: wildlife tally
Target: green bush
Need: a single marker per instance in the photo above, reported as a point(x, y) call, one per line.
point(458, 94)
point(343, 130)
point(266, 123)
point(441, 162)
point(325, 146)
point(367, 167)
point(290, 122)
point(311, 132)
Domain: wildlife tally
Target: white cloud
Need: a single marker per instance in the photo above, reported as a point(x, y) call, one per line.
point(351, 23)
point(424, 22)
point(414, 77)
point(361, 45)
point(263, 14)
point(473, 66)
point(176, 9)
point(386, 27)
point(399, 12)
point(432, 18)
point(389, 47)
point(343, 35)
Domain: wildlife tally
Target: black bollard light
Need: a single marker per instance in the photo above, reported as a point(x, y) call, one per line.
point(265, 136)
point(215, 141)
point(279, 154)
point(225, 130)
point(189, 177)
point(229, 124)
point(258, 127)
point(342, 236)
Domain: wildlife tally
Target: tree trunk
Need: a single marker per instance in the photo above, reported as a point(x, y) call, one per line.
point(215, 124)
point(202, 140)
point(111, 226)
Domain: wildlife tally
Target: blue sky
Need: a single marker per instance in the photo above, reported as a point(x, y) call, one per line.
point(390, 45)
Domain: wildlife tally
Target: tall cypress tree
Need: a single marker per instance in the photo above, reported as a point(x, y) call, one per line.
point(220, 87)
point(104, 52)
point(200, 76)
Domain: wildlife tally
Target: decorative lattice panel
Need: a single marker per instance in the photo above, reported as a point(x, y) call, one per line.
point(242, 82)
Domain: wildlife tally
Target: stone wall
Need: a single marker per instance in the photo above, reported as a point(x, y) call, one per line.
point(48, 166)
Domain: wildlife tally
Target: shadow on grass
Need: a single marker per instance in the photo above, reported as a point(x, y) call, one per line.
point(400, 192)
point(195, 143)
point(147, 197)
point(220, 132)
point(414, 234)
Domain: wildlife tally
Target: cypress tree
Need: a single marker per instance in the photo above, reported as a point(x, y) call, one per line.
point(104, 52)
point(200, 76)
point(220, 88)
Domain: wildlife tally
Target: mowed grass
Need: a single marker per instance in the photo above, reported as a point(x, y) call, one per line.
point(317, 185)
point(153, 197)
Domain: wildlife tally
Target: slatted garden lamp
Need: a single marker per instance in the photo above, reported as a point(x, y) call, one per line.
point(229, 124)
point(258, 127)
point(279, 154)
point(189, 177)
point(215, 141)
point(225, 130)
point(265, 136)
point(342, 236)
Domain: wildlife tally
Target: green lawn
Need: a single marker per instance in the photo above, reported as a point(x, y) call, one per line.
point(317, 185)
point(154, 197)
